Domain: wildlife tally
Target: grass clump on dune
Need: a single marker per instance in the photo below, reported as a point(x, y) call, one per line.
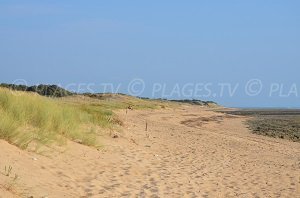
point(29, 118)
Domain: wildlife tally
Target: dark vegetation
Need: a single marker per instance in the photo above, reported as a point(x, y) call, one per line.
point(187, 101)
point(56, 91)
point(44, 90)
point(196, 102)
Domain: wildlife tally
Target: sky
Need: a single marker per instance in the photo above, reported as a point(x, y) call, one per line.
point(237, 53)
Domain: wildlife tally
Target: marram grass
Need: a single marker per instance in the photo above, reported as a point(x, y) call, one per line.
point(29, 118)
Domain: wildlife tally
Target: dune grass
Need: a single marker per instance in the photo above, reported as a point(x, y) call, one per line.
point(27, 118)
point(30, 119)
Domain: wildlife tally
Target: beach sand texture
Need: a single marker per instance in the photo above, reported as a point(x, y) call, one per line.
point(185, 152)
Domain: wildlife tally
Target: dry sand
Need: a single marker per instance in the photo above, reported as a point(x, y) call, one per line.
point(188, 152)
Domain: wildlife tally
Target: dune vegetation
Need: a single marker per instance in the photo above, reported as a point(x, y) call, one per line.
point(28, 118)
point(44, 90)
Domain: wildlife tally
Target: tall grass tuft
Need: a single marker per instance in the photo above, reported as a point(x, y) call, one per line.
point(27, 118)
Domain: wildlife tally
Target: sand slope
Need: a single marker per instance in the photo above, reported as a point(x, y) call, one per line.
point(188, 152)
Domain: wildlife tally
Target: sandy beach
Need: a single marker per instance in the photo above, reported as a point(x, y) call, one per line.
point(186, 152)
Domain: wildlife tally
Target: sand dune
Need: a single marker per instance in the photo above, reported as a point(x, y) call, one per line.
point(187, 152)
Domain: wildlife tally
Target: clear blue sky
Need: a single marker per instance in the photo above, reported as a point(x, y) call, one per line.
point(61, 42)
